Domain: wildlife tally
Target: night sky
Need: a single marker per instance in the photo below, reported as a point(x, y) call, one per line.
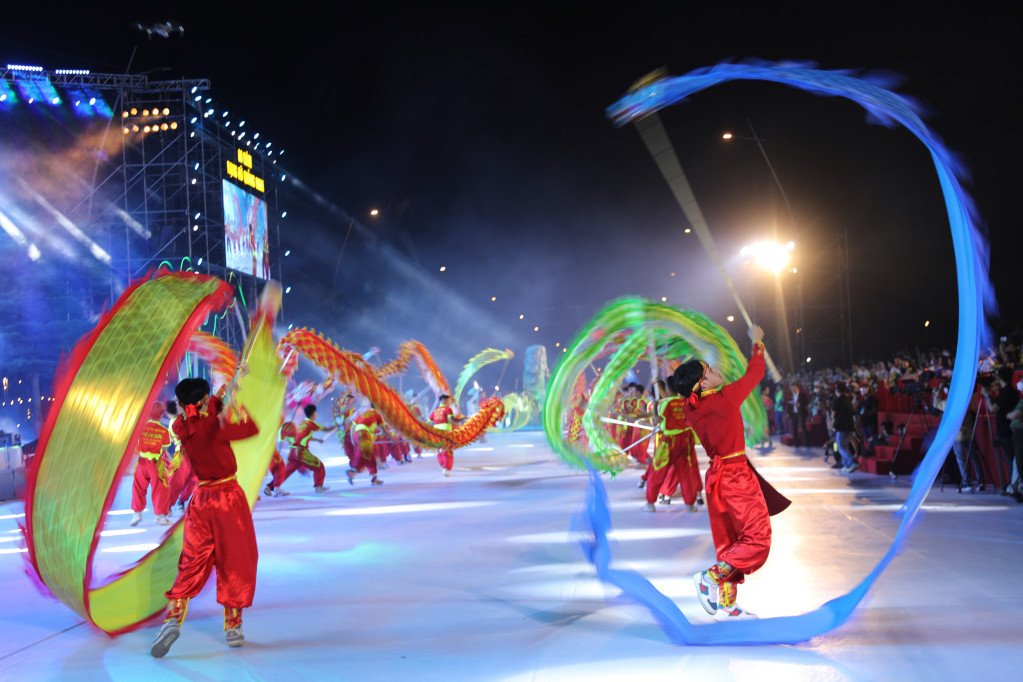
point(481, 137)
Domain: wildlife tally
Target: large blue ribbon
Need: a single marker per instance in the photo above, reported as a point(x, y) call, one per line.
point(975, 294)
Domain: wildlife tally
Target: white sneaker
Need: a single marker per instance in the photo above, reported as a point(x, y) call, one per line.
point(734, 612)
point(163, 520)
point(234, 636)
point(692, 508)
point(447, 472)
point(318, 489)
point(664, 499)
point(280, 493)
point(707, 591)
point(136, 518)
point(649, 507)
point(168, 635)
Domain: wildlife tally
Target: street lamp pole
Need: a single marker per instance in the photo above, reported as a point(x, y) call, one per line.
point(792, 226)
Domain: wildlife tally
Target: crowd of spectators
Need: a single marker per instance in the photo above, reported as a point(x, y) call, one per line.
point(849, 402)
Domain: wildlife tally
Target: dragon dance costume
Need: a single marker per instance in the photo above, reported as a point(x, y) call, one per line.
point(153, 443)
point(674, 461)
point(739, 501)
point(300, 457)
point(363, 455)
point(443, 418)
point(218, 529)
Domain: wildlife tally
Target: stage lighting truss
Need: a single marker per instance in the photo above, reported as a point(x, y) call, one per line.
point(81, 89)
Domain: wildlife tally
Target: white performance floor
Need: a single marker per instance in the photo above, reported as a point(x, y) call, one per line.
point(475, 577)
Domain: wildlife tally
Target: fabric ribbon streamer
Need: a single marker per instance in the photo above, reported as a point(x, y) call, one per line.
point(475, 364)
point(975, 297)
point(102, 400)
point(623, 329)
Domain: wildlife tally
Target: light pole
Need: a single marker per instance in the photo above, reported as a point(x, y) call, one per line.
point(351, 223)
point(792, 226)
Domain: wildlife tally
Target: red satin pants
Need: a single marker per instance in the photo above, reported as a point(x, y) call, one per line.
point(218, 533)
point(739, 521)
point(146, 475)
point(681, 469)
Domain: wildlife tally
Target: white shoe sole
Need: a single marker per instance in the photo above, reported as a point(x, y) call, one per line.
point(163, 642)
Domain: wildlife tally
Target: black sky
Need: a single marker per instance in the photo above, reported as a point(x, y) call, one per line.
point(481, 135)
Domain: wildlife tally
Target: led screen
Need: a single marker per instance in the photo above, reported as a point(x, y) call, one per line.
point(245, 234)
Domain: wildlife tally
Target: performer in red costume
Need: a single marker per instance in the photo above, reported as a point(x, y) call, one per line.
point(182, 481)
point(444, 419)
point(300, 457)
point(278, 467)
point(674, 453)
point(153, 444)
point(364, 434)
point(739, 501)
point(218, 528)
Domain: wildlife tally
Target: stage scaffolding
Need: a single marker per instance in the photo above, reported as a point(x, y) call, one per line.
point(160, 201)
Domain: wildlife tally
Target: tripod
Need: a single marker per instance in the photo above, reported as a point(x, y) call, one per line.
point(917, 412)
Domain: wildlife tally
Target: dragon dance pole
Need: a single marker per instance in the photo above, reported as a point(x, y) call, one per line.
point(655, 137)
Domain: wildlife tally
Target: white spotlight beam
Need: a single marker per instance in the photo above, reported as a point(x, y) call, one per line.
point(97, 252)
point(18, 236)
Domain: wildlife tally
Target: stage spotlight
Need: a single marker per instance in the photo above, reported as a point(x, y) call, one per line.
point(125, 131)
point(135, 128)
point(145, 129)
point(256, 136)
point(124, 114)
point(145, 112)
point(199, 262)
point(92, 101)
point(194, 119)
point(166, 111)
point(194, 88)
point(284, 214)
point(174, 125)
point(197, 215)
point(197, 98)
point(164, 126)
point(195, 228)
point(242, 124)
point(288, 290)
point(55, 100)
point(134, 111)
point(224, 115)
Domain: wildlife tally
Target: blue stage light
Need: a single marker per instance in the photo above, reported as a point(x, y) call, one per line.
point(242, 124)
point(194, 119)
point(7, 95)
point(194, 88)
point(23, 67)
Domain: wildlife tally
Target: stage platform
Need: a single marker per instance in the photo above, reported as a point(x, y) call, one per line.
point(476, 577)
